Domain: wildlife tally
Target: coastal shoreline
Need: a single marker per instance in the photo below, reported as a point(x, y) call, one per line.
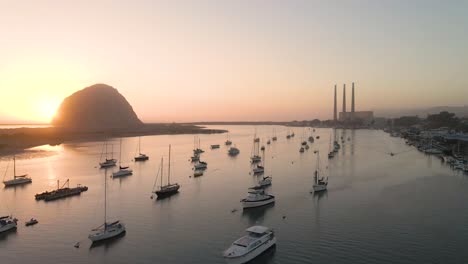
point(18, 140)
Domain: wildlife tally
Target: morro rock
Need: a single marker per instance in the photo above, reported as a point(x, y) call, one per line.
point(95, 108)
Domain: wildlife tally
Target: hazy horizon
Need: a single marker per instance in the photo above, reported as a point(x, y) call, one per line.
point(189, 61)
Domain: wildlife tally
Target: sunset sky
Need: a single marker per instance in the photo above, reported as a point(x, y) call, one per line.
point(232, 60)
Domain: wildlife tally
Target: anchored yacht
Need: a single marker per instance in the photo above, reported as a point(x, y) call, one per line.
point(7, 223)
point(257, 198)
point(245, 249)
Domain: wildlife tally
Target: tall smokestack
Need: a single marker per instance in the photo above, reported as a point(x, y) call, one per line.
point(344, 99)
point(334, 107)
point(352, 99)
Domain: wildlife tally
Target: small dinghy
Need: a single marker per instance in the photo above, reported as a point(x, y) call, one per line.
point(31, 222)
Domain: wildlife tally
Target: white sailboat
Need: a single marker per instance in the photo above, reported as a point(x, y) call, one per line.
point(108, 162)
point(168, 189)
point(274, 138)
point(17, 179)
point(141, 156)
point(106, 230)
point(320, 184)
point(123, 171)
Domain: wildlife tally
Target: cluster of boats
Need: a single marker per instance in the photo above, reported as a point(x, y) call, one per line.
point(258, 238)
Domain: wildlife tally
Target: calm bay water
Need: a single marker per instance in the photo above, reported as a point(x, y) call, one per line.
point(409, 208)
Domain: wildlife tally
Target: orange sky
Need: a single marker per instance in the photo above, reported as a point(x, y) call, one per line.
point(232, 60)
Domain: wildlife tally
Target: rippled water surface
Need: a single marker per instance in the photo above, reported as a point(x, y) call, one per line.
point(409, 208)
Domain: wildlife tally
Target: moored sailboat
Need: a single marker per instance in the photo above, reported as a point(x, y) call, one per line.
point(123, 171)
point(108, 162)
point(141, 156)
point(106, 230)
point(17, 179)
point(168, 189)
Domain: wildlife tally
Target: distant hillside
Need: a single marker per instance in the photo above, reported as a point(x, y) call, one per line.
point(459, 111)
point(97, 107)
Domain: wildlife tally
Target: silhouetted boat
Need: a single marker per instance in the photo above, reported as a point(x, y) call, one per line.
point(169, 189)
point(61, 192)
point(233, 151)
point(320, 184)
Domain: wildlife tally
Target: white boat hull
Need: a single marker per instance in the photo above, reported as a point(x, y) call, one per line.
point(248, 204)
point(7, 227)
point(17, 181)
point(319, 188)
point(122, 173)
point(252, 254)
point(107, 234)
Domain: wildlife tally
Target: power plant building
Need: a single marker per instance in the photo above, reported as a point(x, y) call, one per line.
point(366, 117)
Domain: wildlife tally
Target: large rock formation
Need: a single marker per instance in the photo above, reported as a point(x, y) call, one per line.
point(96, 108)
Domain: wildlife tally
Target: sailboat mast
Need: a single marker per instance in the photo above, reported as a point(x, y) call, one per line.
point(139, 145)
point(14, 166)
point(318, 167)
point(162, 170)
point(169, 169)
point(120, 153)
point(105, 199)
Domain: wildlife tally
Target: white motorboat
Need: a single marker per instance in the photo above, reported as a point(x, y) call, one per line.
point(141, 156)
point(257, 198)
point(106, 230)
point(233, 151)
point(123, 171)
point(17, 179)
point(201, 165)
point(108, 162)
point(258, 240)
point(169, 189)
point(320, 184)
point(7, 223)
